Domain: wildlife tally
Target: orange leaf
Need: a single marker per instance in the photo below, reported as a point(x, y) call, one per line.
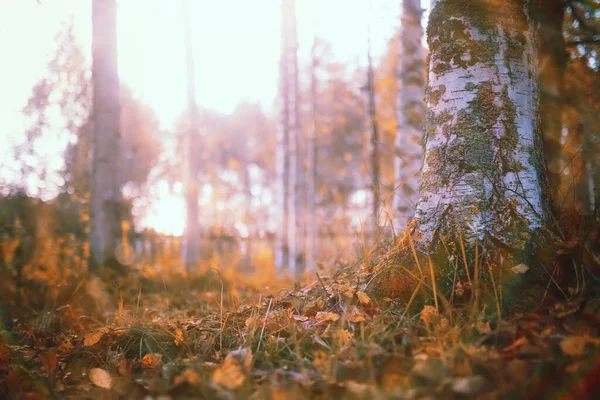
point(151, 361)
point(100, 378)
point(49, 361)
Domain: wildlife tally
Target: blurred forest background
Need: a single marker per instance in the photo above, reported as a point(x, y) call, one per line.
point(46, 151)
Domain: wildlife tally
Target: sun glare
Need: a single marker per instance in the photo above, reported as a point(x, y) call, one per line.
point(166, 214)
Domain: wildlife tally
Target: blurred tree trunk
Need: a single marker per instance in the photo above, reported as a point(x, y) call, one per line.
point(411, 85)
point(191, 240)
point(483, 180)
point(375, 166)
point(311, 223)
point(106, 198)
point(552, 65)
point(289, 161)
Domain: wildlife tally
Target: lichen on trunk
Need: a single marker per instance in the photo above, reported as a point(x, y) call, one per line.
point(483, 186)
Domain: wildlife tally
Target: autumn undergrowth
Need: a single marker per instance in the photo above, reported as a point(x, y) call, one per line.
point(153, 329)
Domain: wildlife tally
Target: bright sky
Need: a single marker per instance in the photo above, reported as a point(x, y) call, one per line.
point(236, 46)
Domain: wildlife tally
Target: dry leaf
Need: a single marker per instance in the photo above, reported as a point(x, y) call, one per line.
point(100, 378)
point(251, 322)
point(429, 314)
point(244, 356)
point(468, 386)
point(179, 337)
point(354, 314)
point(301, 318)
point(362, 296)
point(151, 361)
point(230, 374)
point(323, 316)
point(483, 327)
point(520, 269)
point(95, 336)
point(49, 361)
point(574, 345)
point(125, 367)
point(190, 376)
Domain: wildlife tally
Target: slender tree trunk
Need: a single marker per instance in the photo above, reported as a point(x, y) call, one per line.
point(106, 198)
point(411, 85)
point(483, 177)
point(375, 166)
point(552, 65)
point(289, 142)
point(311, 162)
point(282, 161)
point(190, 248)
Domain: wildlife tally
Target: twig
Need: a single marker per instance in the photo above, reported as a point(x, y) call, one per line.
point(262, 331)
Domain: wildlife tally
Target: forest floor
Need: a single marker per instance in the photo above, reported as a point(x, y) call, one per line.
point(153, 335)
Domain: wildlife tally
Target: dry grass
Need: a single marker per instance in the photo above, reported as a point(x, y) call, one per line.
point(220, 333)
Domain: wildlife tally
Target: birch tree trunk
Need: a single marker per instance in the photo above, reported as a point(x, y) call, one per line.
point(190, 245)
point(483, 178)
point(311, 223)
point(281, 171)
point(288, 145)
point(411, 85)
point(375, 166)
point(106, 198)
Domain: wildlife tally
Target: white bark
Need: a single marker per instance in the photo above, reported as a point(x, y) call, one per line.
point(281, 187)
point(483, 165)
point(289, 241)
point(311, 223)
point(190, 244)
point(411, 85)
point(375, 165)
point(106, 198)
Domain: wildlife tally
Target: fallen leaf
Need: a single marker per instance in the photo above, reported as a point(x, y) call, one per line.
point(179, 337)
point(520, 269)
point(151, 361)
point(469, 386)
point(49, 361)
point(190, 376)
point(354, 314)
point(125, 367)
point(483, 327)
point(522, 341)
point(429, 314)
point(230, 374)
point(244, 356)
point(323, 316)
point(100, 378)
point(362, 297)
point(94, 337)
point(574, 345)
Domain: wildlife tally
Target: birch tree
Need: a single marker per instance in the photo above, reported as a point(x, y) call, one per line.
point(411, 84)
point(483, 187)
point(190, 248)
point(288, 243)
point(311, 223)
point(375, 165)
point(106, 198)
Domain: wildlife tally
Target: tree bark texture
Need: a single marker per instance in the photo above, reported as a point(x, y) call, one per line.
point(483, 174)
point(106, 198)
point(411, 88)
point(190, 248)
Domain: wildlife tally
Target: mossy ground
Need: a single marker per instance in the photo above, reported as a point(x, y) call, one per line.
point(347, 333)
